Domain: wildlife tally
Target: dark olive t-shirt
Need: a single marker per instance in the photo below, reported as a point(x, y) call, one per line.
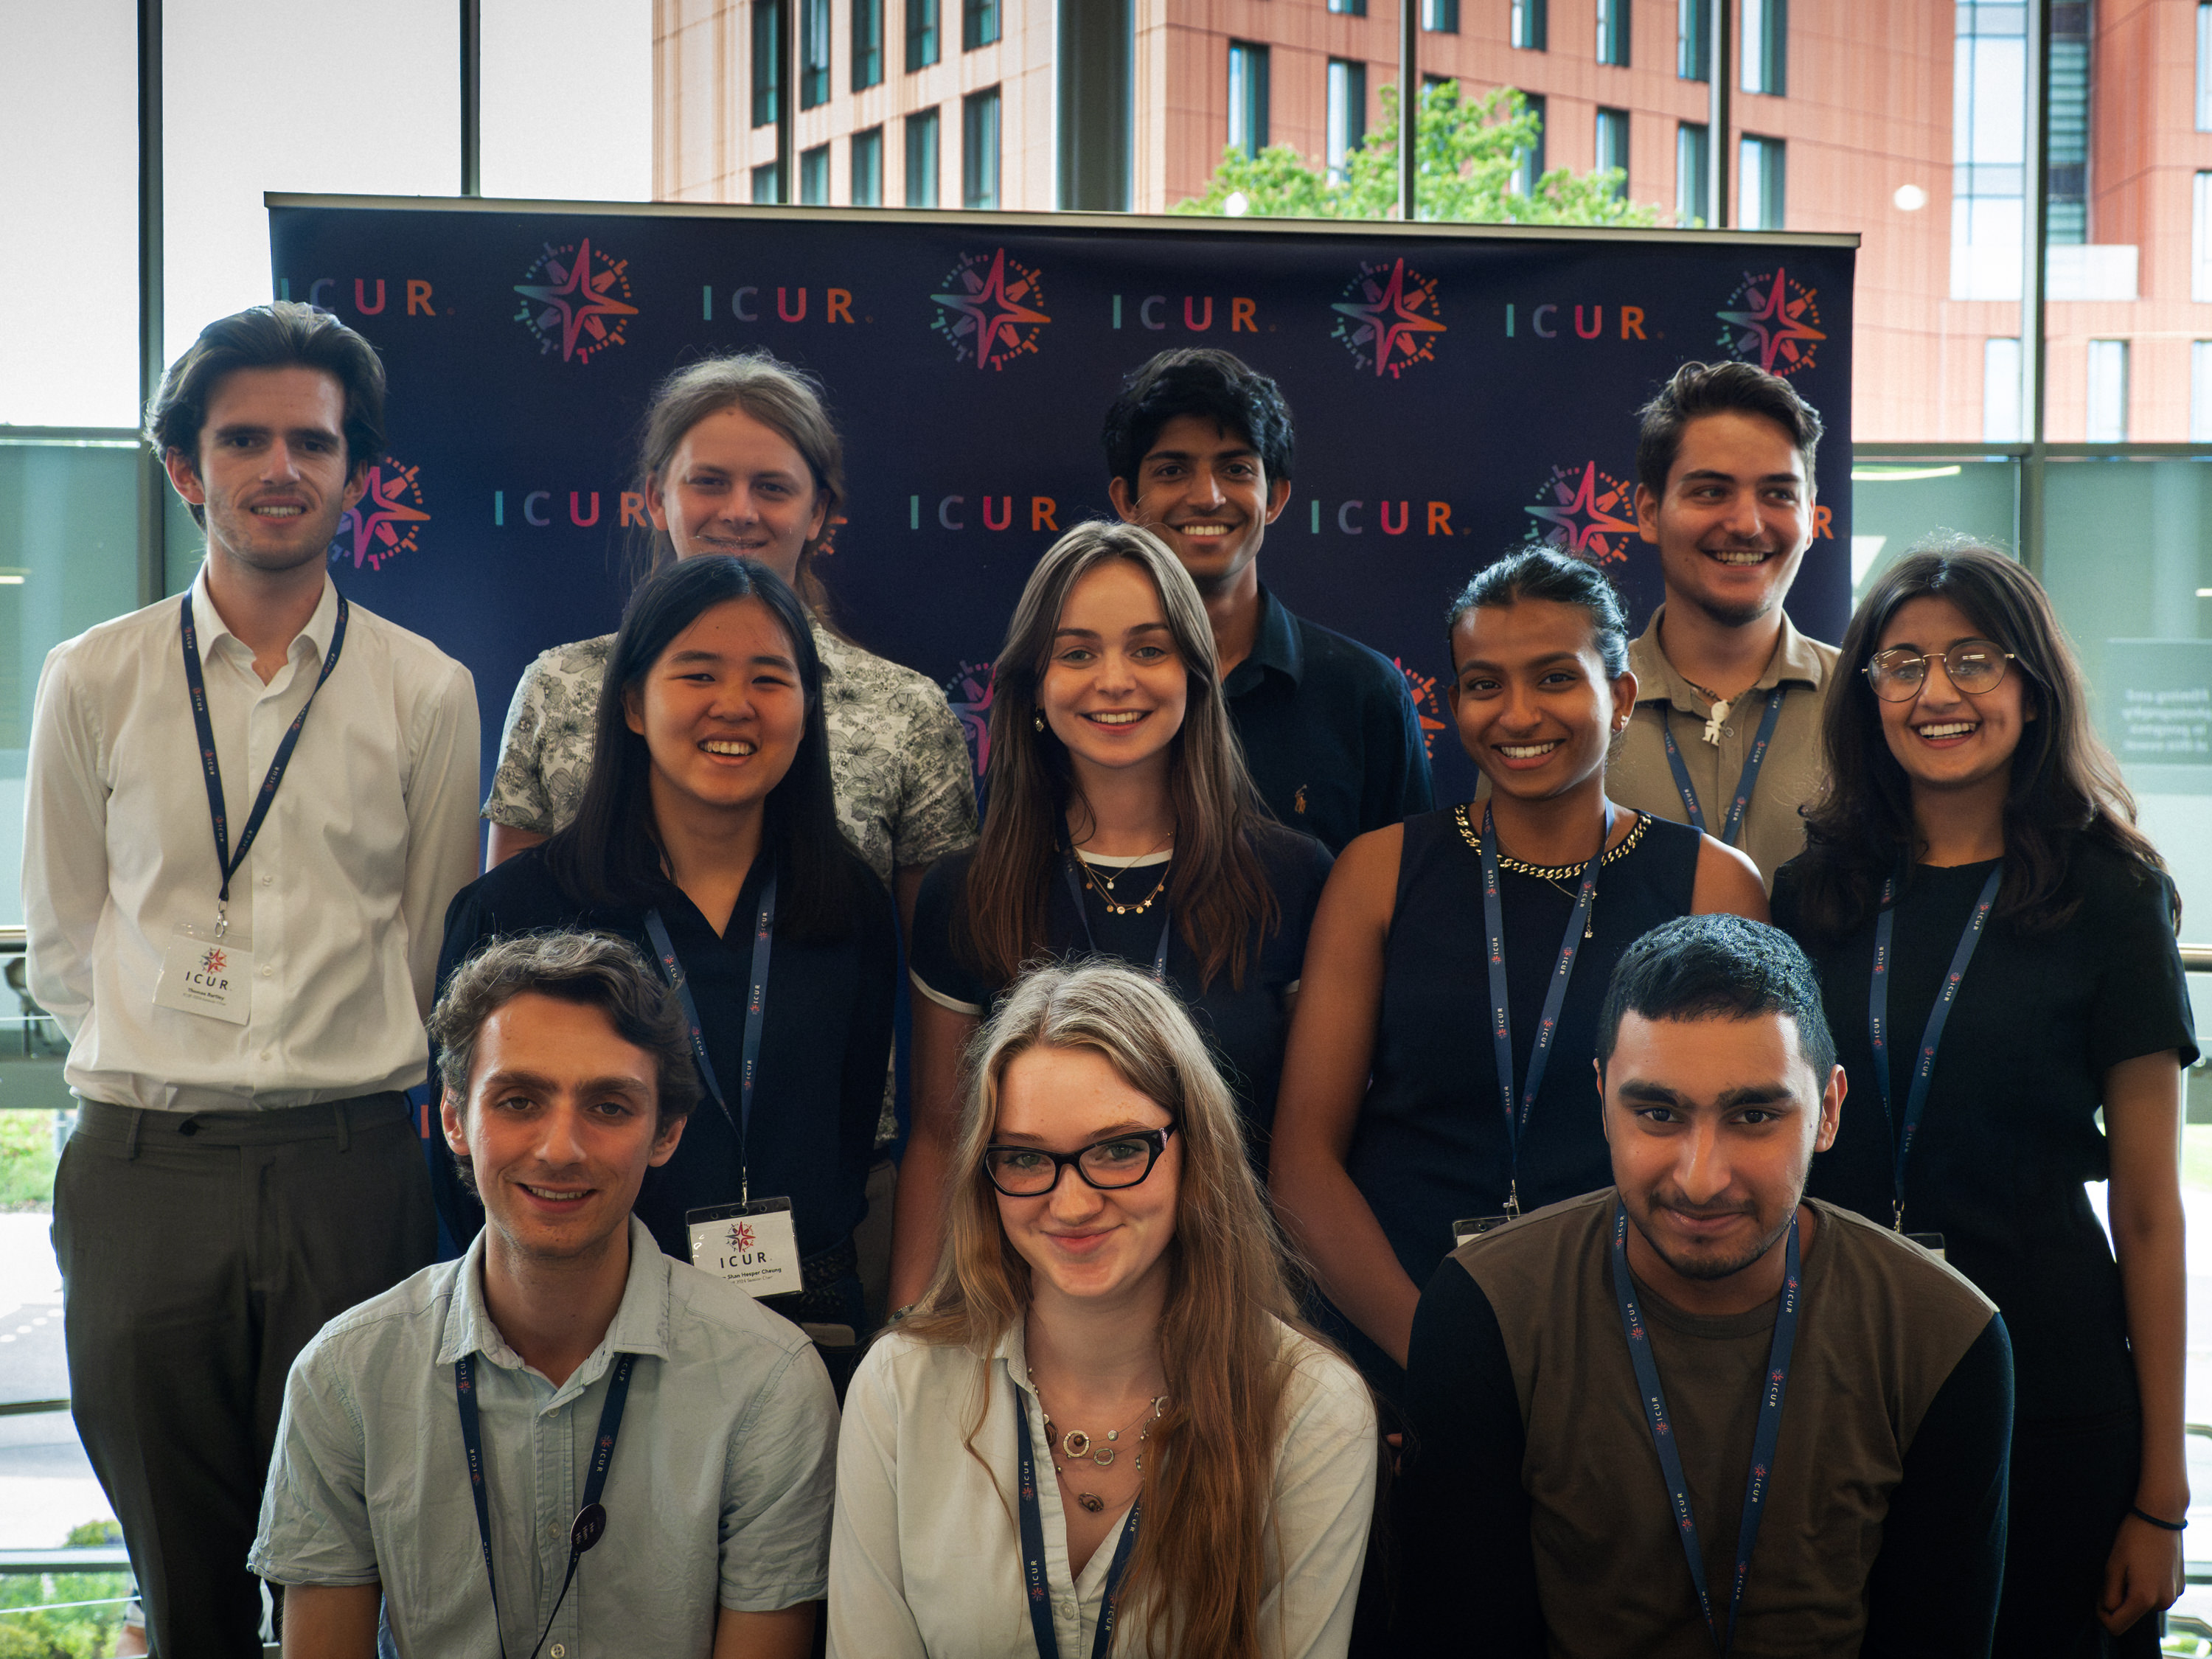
point(2010, 1131)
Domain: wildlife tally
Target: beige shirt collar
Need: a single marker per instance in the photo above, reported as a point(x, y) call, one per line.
point(1796, 661)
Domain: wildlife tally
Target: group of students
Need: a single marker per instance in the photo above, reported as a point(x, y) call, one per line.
point(1571, 1259)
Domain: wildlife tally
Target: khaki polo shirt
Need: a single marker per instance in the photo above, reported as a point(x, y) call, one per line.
point(1637, 776)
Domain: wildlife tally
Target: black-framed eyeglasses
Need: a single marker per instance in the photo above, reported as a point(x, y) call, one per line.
point(1118, 1161)
point(1973, 666)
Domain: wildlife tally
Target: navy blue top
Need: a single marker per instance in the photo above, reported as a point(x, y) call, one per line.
point(1328, 727)
point(825, 1040)
point(2010, 1131)
point(1429, 1148)
point(1246, 1025)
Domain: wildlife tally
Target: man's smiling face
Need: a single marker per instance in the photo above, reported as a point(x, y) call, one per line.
point(1735, 519)
point(1204, 490)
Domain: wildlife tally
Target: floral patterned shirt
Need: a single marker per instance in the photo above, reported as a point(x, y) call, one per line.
point(898, 763)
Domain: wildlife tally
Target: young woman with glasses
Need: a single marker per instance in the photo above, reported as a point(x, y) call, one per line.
point(1996, 945)
point(1431, 1080)
point(1103, 1429)
point(1121, 823)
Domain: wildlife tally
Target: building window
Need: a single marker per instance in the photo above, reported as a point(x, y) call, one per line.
point(1347, 114)
point(1989, 80)
point(1349, 8)
point(1529, 165)
point(867, 44)
point(2200, 240)
point(767, 65)
point(1693, 40)
point(1612, 145)
point(920, 35)
point(813, 55)
point(1612, 31)
point(1440, 16)
point(1531, 25)
point(1248, 97)
point(921, 159)
point(868, 167)
point(1766, 46)
point(2069, 125)
point(2001, 422)
point(979, 23)
point(2108, 392)
point(764, 188)
point(814, 176)
point(2200, 391)
point(2204, 68)
point(1693, 181)
point(978, 149)
point(1761, 198)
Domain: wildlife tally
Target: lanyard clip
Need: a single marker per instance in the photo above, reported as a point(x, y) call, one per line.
point(1897, 1212)
point(1513, 1201)
point(221, 921)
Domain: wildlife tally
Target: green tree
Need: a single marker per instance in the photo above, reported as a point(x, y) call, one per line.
point(1469, 152)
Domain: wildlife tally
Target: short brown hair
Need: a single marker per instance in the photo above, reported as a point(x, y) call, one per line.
point(1700, 389)
point(592, 970)
point(281, 335)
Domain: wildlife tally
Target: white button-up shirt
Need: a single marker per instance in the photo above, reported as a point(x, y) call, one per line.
point(924, 1551)
point(717, 1494)
point(341, 901)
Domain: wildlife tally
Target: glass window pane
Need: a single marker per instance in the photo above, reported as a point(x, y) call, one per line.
point(1348, 112)
point(1530, 167)
point(768, 68)
point(921, 159)
point(1531, 25)
point(1761, 185)
point(599, 150)
point(1693, 182)
point(814, 176)
point(2200, 238)
point(978, 149)
point(1896, 503)
point(1440, 16)
point(1765, 47)
point(2001, 390)
point(1612, 19)
point(868, 167)
point(1693, 49)
point(979, 23)
point(921, 36)
point(2204, 68)
point(2200, 391)
point(1248, 97)
point(867, 44)
point(814, 53)
point(222, 151)
point(2107, 415)
point(764, 184)
point(1612, 145)
point(69, 202)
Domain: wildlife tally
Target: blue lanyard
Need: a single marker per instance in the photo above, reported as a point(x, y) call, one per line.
point(591, 1520)
point(755, 1011)
point(1035, 1581)
point(1916, 1099)
point(1501, 1012)
point(1744, 784)
point(212, 767)
point(1760, 1481)
point(1075, 885)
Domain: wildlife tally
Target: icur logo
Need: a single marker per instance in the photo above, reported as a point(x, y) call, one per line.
point(991, 311)
point(214, 962)
point(1388, 318)
point(741, 1236)
point(576, 300)
point(386, 521)
point(1585, 512)
point(1773, 320)
point(970, 691)
point(1427, 707)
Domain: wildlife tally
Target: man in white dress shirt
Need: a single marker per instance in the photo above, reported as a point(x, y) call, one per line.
point(246, 811)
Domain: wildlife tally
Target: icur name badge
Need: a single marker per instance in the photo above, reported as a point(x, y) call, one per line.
point(209, 976)
point(755, 1246)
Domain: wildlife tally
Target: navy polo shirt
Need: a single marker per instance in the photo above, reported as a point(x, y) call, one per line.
point(1329, 729)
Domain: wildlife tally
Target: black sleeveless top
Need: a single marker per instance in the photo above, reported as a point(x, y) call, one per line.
point(1430, 1145)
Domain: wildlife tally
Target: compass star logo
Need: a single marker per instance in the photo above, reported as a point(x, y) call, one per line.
point(741, 1236)
point(386, 521)
point(1388, 318)
point(971, 690)
point(1584, 512)
point(214, 962)
point(991, 311)
point(576, 300)
point(1427, 707)
point(1773, 321)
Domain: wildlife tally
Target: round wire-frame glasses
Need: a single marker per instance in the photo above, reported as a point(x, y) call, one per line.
point(1973, 666)
point(1118, 1161)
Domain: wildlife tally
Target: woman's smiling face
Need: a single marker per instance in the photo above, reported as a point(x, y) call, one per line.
point(1115, 690)
point(1946, 738)
point(1534, 703)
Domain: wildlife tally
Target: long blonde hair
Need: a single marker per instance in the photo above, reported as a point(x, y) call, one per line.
point(1217, 887)
point(1209, 1483)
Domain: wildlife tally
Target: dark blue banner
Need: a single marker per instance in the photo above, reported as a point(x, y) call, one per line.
point(1458, 391)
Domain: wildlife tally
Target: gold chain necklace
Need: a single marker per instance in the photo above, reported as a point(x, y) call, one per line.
point(1558, 874)
point(1077, 1445)
point(1105, 887)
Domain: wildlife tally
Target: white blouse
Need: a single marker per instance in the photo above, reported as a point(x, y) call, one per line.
point(924, 1551)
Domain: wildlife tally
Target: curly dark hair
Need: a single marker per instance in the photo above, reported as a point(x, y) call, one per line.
point(1219, 385)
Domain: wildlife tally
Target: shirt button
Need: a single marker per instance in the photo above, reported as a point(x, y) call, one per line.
point(267, 972)
point(264, 1053)
point(558, 1652)
point(268, 881)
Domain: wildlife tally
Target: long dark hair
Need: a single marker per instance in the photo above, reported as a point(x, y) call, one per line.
point(610, 856)
point(1218, 890)
point(2066, 787)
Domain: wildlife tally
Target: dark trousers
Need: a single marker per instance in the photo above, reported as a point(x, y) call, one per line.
point(199, 1254)
point(2073, 1479)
